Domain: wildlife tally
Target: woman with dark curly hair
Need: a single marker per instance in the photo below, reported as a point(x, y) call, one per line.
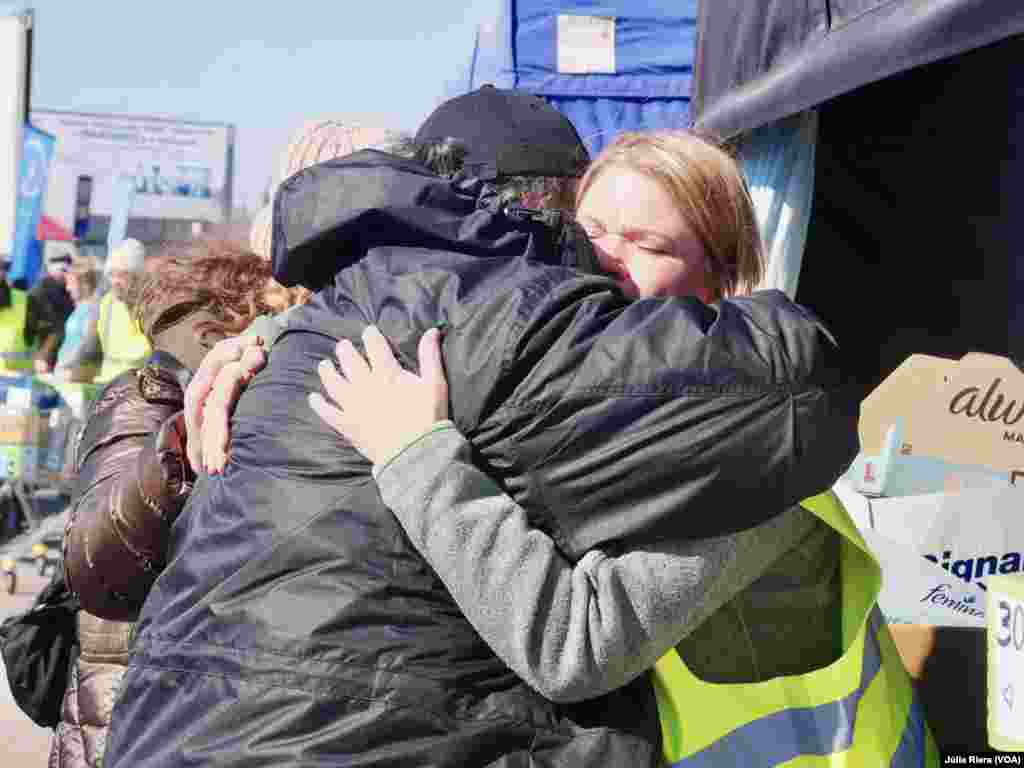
point(133, 475)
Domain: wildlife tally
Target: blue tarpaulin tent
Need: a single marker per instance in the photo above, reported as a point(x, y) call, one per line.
point(608, 66)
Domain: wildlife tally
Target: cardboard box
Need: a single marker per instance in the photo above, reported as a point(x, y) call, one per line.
point(938, 492)
point(28, 391)
point(19, 461)
point(55, 463)
point(917, 588)
point(976, 416)
point(940, 425)
point(942, 486)
point(897, 397)
point(21, 426)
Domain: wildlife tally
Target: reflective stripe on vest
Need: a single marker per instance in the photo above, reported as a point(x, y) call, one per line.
point(859, 710)
point(124, 345)
point(15, 354)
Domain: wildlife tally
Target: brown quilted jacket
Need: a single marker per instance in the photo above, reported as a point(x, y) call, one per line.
point(132, 481)
point(79, 739)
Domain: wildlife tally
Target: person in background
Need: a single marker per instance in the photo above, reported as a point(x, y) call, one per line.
point(295, 624)
point(316, 141)
point(133, 474)
point(17, 313)
point(122, 343)
point(52, 307)
point(76, 358)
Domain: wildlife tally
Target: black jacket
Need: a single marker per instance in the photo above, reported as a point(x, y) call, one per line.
point(295, 625)
point(50, 307)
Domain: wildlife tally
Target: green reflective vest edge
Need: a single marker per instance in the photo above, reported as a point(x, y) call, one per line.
point(15, 354)
point(861, 710)
point(123, 343)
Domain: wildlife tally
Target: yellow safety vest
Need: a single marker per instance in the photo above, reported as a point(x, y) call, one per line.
point(861, 710)
point(15, 354)
point(124, 345)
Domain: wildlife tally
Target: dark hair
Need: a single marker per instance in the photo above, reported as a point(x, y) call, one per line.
point(228, 280)
point(446, 157)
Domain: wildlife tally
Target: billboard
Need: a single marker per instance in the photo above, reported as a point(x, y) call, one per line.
point(14, 71)
point(176, 169)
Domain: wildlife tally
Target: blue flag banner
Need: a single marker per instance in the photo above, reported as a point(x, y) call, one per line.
point(37, 152)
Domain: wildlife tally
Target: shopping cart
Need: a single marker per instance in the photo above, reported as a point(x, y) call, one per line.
point(40, 422)
point(44, 549)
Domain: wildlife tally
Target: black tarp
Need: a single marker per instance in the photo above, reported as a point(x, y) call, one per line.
point(915, 240)
point(913, 243)
point(760, 61)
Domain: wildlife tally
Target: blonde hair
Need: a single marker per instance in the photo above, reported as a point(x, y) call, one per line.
point(317, 141)
point(708, 186)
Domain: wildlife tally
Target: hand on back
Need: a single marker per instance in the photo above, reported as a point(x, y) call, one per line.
point(377, 405)
point(212, 394)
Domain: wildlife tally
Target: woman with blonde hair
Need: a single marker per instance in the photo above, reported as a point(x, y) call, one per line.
point(78, 358)
point(133, 475)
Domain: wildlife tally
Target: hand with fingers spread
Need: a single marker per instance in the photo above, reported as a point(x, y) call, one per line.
point(378, 405)
point(212, 394)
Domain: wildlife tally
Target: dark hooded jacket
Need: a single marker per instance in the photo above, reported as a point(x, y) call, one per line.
point(295, 625)
point(50, 306)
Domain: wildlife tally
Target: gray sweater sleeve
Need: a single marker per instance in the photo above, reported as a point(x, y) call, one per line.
point(572, 631)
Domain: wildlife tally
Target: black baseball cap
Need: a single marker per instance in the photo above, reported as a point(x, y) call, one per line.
point(508, 133)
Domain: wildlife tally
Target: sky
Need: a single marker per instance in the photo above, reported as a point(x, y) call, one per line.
point(264, 66)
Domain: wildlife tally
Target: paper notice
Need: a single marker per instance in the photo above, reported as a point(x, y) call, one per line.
point(586, 44)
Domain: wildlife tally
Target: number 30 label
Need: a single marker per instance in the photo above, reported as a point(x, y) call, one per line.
point(1011, 624)
point(1006, 664)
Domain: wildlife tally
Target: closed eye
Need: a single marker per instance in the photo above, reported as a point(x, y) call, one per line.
point(654, 250)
